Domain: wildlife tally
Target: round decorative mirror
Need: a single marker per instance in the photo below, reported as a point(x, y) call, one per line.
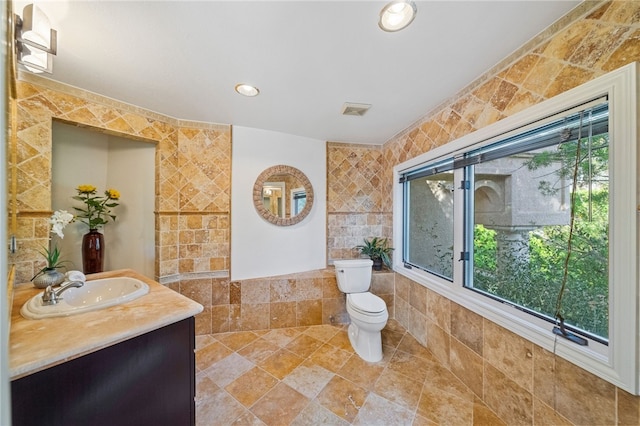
point(283, 195)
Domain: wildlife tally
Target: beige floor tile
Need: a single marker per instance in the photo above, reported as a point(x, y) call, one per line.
point(259, 350)
point(343, 398)
point(251, 386)
point(280, 405)
point(439, 379)
point(361, 372)
point(341, 340)
point(205, 386)
point(411, 346)
point(237, 340)
point(228, 369)
point(311, 376)
point(399, 389)
point(248, 419)
point(391, 338)
point(204, 340)
point(210, 354)
point(329, 357)
point(281, 363)
point(411, 366)
point(281, 336)
point(308, 380)
point(303, 345)
point(218, 408)
point(380, 411)
point(316, 414)
point(445, 408)
point(323, 332)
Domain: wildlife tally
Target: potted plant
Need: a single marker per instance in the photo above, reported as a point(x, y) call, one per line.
point(378, 251)
point(95, 213)
point(49, 275)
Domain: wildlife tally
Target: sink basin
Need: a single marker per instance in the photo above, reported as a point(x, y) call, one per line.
point(95, 294)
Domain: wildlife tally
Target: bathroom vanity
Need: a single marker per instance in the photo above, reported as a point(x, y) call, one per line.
point(129, 364)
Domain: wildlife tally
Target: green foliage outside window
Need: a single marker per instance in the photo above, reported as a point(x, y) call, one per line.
point(534, 281)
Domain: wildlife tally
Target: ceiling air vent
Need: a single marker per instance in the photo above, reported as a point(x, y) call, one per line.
point(350, 108)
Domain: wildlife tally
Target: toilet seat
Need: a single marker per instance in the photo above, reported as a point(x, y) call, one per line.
point(366, 303)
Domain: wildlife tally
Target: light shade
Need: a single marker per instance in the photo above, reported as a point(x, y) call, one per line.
point(36, 41)
point(36, 27)
point(35, 60)
point(247, 90)
point(397, 15)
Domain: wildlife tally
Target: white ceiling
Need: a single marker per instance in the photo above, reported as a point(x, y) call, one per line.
point(183, 58)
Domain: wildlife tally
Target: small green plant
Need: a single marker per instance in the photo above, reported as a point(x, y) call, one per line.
point(378, 250)
point(58, 221)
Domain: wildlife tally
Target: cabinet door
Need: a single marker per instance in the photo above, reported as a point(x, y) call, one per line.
point(147, 380)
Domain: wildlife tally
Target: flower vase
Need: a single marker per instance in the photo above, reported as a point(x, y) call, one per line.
point(92, 252)
point(48, 277)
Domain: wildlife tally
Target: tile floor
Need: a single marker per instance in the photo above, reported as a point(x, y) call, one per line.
point(311, 375)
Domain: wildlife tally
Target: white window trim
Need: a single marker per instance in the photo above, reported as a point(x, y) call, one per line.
point(617, 363)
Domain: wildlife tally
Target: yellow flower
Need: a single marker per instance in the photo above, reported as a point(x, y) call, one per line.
point(96, 209)
point(86, 189)
point(114, 194)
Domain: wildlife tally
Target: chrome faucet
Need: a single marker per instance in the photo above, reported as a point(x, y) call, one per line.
point(51, 296)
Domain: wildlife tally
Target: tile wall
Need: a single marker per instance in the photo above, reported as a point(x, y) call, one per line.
point(304, 299)
point(193, 178)
point(354, 198)
point(521, 382)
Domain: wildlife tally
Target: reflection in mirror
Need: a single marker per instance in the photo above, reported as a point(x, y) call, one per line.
point(272, 193)
point(283, 195)
point(298, 200)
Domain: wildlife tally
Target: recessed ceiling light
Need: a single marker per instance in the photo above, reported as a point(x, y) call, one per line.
point(397, 15)
point(247, 90)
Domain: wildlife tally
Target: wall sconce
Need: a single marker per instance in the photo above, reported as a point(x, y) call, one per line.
point(36, 41)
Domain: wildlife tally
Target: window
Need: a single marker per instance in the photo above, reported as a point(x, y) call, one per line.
point(531, 222)
point(298, 200)
point(538, 217)
point(428, 222)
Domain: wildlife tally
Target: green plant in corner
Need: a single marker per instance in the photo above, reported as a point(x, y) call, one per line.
point(378, 250)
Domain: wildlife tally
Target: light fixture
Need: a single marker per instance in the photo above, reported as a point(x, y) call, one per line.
point(247, 90)
point(36, 41)
point(397, 15)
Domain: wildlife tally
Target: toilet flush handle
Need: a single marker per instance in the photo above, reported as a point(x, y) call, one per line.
point(341, 270)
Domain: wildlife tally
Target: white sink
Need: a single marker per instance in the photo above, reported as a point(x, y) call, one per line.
point(95, 294)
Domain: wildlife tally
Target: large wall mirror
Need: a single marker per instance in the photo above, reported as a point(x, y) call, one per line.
point(283, 195)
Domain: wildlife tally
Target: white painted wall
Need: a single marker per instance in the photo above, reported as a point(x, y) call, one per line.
point(259, 248)
point(81, 156)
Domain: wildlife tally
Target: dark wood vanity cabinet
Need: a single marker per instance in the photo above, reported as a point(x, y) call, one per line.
point(146, 380)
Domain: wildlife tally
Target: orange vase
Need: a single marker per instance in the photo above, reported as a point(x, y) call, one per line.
point(92, 252)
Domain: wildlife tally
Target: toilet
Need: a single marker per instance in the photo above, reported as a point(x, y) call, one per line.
point(368, 312)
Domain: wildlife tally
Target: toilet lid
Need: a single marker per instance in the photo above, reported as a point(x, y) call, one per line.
point(367, 303)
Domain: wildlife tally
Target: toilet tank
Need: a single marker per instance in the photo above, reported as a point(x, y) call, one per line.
point(353, 275)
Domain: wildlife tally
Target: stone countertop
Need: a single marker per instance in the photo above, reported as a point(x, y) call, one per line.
point(35, 345)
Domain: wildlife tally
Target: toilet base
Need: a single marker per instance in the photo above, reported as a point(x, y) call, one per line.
point(367, 344)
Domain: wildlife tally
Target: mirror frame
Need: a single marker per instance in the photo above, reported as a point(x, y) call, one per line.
point(257, 195)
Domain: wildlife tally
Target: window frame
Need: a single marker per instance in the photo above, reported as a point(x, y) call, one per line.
point(616, 362)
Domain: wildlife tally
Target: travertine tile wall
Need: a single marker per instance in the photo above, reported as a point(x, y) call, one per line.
point(521, 382)
point(303, 299)
point(193, 185)
point(193, 178)
point(354, 198)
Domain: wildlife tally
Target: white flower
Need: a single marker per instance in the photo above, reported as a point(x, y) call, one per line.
point(59, 219)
